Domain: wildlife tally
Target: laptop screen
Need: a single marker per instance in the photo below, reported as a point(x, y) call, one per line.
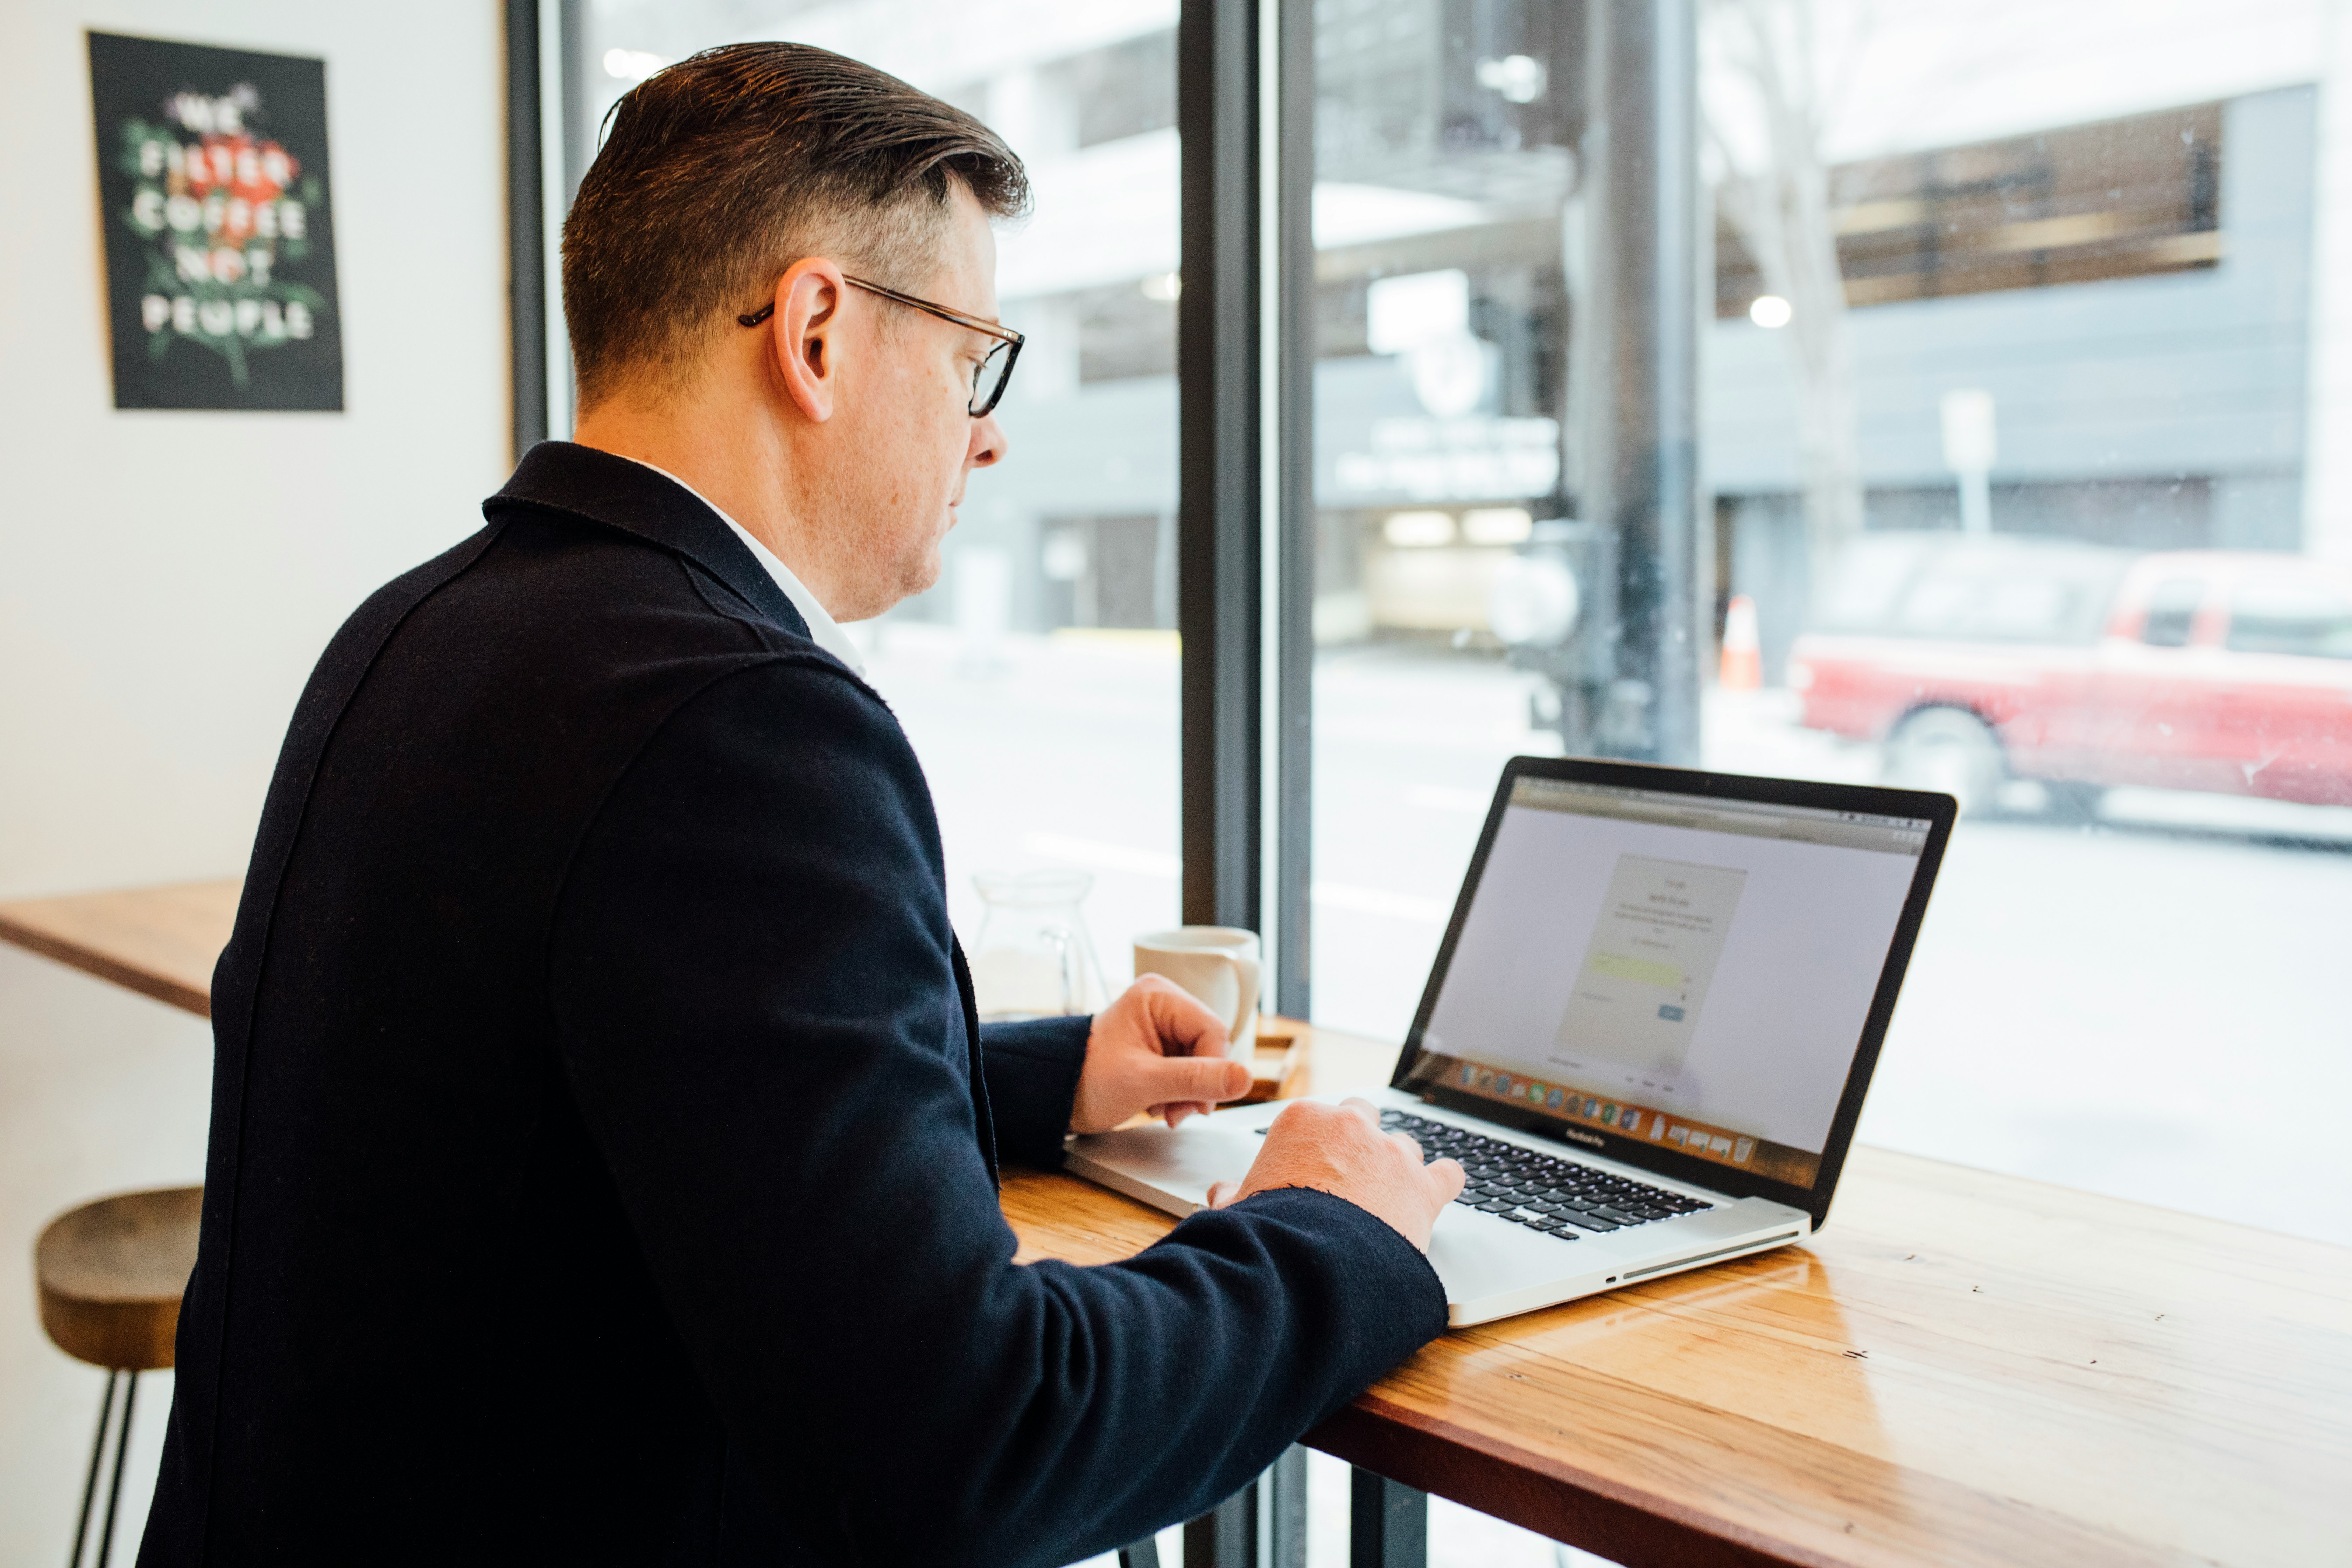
point(1659, 971)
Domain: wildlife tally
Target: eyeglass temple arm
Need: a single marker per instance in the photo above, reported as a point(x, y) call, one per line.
point(1001, 334)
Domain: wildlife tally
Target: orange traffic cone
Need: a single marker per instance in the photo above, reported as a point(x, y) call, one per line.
point(1743, 657)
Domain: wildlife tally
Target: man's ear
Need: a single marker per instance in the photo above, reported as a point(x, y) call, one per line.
point(804, 336)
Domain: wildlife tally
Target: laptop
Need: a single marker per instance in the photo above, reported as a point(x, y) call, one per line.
point(1647, 1033)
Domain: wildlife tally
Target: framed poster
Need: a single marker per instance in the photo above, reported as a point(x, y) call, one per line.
point(220, 241)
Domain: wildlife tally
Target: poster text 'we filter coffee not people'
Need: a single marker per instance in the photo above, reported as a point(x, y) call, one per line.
point(220, 257)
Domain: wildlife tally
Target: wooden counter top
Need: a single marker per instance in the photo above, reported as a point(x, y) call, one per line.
point(1962, 1368)
point(160, 942)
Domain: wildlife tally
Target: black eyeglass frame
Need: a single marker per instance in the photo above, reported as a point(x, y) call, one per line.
point(1008, 340)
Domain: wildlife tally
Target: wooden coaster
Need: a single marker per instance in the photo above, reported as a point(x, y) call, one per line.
point(1280, 1071)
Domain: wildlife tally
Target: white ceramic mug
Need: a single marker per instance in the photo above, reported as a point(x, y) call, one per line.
point(1217, 965)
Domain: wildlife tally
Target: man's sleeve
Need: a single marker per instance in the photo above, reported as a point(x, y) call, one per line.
point(754, 997)
point(1031, 1070)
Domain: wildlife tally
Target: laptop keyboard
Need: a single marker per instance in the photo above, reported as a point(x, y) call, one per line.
point(1558, 1197)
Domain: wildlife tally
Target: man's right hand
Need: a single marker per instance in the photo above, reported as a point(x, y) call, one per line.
point(1340, 1149)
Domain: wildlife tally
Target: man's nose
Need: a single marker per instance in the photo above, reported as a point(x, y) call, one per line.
point(988, 442)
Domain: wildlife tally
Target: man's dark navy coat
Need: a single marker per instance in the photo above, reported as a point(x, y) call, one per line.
point(604, 1143)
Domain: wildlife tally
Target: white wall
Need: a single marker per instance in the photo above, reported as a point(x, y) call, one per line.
point(167, 579)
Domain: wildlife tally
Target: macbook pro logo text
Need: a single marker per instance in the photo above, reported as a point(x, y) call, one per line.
point(1588, 1139)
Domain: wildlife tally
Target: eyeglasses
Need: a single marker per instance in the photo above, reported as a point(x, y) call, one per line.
point(989, 378)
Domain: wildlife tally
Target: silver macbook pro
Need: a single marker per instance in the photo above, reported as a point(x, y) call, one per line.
point(1647, 1034)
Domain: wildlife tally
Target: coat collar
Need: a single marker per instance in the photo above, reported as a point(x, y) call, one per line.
point(561, 475)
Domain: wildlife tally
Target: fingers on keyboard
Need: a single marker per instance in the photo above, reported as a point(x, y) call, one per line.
point(1558, 1197)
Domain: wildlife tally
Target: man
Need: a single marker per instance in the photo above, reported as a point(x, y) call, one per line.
point(603, 1144)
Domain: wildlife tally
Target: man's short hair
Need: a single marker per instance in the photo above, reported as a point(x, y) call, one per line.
point(724, 168)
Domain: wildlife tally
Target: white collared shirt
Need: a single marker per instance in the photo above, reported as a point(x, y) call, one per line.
point(822, 629)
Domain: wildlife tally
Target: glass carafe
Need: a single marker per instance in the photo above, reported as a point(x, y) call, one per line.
point(1033, 959)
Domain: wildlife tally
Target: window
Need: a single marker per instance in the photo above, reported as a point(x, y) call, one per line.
point(1987, 341)
point(2172, 609)
point(2037, 283)
point(2280, 615)
point(1126, 89)
point(1443, 171)
point(2018, 591)
point(2120, 198)
point(1979, 341)
point(1037, 681)
point(1954, 423)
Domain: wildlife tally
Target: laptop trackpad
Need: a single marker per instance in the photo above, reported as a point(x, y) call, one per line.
point(1477, 1254)
point(1169, 1170)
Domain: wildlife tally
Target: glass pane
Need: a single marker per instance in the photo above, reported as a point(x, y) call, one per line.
point(1037, 681)
point(2306, 619)
point(1442, 175)
point(2171, 614)
point(2065, 361)
point(2017, 485)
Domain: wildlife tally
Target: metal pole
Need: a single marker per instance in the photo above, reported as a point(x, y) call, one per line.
point(1226, 1536)
point(1282, 1521)
point(1293, 638)
point(1218, 416)
point(97, 1453)
point(1641, 441)
point(1388, 1523)
point(114, 1487)
point(526, 229)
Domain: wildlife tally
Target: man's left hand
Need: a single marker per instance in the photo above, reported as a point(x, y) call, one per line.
point(1155, 1049)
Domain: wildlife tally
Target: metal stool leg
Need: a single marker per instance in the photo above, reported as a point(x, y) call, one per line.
point(114, 1490)
point(97, 1452)
point(1144, 1553)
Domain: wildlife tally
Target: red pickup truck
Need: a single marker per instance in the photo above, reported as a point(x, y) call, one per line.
point(1976, 659)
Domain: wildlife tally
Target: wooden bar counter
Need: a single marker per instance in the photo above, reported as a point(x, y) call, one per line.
point(1962, 1368)
point(160, 942)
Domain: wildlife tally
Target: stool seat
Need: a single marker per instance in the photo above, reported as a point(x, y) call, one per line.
point(111, 1273)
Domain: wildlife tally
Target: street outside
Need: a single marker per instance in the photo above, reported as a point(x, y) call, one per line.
point(2153, 1007)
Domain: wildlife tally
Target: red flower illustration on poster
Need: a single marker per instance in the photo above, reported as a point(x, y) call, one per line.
point(220, 211)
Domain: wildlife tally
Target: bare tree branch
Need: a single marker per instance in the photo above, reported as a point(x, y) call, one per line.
point(1783, 214)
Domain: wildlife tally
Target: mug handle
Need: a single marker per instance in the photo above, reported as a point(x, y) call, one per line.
point(1245, 981)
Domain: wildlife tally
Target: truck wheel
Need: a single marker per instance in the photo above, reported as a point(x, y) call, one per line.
point(1950, 750)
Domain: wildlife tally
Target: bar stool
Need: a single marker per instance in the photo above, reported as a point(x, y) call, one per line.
point(111, 1273)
